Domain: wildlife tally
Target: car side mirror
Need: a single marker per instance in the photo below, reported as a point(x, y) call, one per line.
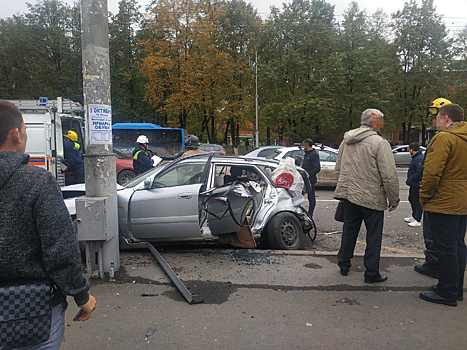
point(147, 184)
point(298, 160)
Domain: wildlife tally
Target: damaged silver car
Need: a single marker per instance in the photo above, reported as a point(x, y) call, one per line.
point(211, 198)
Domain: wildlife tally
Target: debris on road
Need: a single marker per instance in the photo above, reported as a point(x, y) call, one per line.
point(150, 331)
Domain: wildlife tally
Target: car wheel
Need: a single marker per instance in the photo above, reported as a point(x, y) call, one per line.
point(285, 232)
point(125, 176)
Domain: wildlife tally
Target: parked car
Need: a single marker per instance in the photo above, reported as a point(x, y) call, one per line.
point(402, 155)
point(262, 152)
point(327, 157)
point(204, 197)
point(124, 168)
point(209, 147)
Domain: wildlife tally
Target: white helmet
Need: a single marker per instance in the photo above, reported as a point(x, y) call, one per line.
point(142, 139)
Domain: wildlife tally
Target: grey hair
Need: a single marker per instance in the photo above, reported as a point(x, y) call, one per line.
point(367, 113)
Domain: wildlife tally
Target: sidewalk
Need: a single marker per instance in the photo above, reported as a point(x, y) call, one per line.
point(265, 299)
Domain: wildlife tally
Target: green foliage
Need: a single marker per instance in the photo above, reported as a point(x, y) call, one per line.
point(190, 63)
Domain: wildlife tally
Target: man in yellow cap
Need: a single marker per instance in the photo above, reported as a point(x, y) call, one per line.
point(443, 196)
point(430, 266)
point(71, 148)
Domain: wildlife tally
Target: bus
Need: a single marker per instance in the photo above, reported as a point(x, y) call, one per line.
point(163, 142)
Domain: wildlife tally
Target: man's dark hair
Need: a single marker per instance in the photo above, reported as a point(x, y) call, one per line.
point(453, 111)
point(415, 146)
point(10, 118)
point(309, 141)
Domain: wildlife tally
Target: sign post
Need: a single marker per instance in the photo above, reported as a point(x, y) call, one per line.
point(97, 211)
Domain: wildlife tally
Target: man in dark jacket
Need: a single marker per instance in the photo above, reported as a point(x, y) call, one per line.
point(312, 166)
point(414, 178)
point(72, 154)
point(142, 161)
point(37, 239)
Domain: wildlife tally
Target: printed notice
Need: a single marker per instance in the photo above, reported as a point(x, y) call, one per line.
point(100, 123)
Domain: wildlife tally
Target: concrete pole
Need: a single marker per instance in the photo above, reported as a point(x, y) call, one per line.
point(256, 99)
point(99, 161)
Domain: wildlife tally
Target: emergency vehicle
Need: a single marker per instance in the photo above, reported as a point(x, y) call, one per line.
point(47, 121)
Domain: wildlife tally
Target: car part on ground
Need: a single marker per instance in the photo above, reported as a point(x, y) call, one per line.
point(190, 298)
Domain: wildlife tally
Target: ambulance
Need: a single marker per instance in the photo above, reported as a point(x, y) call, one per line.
point(47, 121)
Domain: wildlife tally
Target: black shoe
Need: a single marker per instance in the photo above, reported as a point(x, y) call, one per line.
point(426, 271)
point(381, 278)
point(434, 287)
point(432, 297)
point(344, 272)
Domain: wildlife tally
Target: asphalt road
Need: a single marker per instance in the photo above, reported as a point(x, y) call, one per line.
point(260, 299)
point(398, 237)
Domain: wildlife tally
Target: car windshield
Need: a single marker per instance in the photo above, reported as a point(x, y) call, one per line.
point(274, 154)
point(136, 180)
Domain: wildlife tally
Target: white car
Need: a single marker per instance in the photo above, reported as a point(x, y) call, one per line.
point(402, 155)
point(327, 158)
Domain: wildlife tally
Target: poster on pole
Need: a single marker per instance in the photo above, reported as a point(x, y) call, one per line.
point(100, 124)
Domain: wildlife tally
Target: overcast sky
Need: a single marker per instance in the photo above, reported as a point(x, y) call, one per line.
point(454, 11)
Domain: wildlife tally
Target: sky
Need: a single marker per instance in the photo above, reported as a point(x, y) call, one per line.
point(454, 11)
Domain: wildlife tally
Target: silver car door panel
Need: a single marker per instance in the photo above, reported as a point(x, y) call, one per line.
point(160, 213)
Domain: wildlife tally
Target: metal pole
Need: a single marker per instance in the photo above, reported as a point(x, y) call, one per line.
point(99, 160)
point(256, 99)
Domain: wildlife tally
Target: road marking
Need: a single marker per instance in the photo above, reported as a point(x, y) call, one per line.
point(335, 200)
point(395, 250)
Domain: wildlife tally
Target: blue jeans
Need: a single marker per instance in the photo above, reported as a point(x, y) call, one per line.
point(57, 330)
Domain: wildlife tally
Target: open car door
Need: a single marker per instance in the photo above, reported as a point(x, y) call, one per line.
point(167, 208)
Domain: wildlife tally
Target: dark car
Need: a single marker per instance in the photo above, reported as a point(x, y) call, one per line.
point(209, 147)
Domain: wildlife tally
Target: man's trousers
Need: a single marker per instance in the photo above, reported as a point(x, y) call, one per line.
point(414, 200)
point(449, 236)
point(353, 217)
point(431, 255)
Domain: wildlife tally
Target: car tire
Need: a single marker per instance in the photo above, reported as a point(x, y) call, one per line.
point(125, 176)
point(285, 232)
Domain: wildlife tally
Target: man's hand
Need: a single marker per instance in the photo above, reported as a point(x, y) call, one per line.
point(88, 308)
point(391, 208)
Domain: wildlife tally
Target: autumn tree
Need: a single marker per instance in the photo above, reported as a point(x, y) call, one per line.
point(238, 36)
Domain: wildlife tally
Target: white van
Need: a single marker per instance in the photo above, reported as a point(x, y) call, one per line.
point(45, 143)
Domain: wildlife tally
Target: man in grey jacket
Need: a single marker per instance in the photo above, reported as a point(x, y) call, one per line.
point(37, 239)
point(367, 180)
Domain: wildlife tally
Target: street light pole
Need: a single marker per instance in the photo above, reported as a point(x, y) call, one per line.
point(97, 211)
point(256, 99)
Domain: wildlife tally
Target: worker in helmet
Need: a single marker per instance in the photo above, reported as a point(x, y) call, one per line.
point(430, 266)
point(142, 161)
point(72, 153)
point(191, 147)
point(436, 105)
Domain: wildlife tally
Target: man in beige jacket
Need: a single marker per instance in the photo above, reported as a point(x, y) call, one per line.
point(366, 181)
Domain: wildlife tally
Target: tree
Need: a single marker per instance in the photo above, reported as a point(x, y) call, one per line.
point(423, 50)
point(299, 61)
point(127, 80)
